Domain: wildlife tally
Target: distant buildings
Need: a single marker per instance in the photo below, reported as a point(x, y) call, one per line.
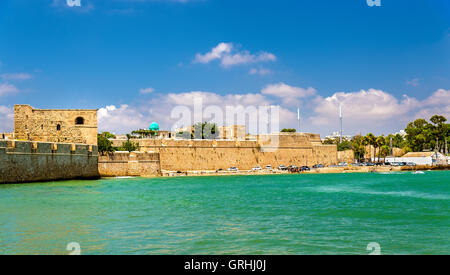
point(338, 135)
point(420, 158)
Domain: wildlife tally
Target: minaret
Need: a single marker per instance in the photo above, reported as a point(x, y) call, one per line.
point(340, 117)
point(298, 118)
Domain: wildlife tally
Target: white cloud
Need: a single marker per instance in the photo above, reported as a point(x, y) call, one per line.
point(439, 98)
point(289, 94)
point(122, 119)
point(413, 82)
point(6, 88)
point(146, 91)
point(6, 119)
point(285, 91)
point(216, 53)
point(16, 76)
point(259, 71)
point(365, 111)
point(126, 118)
point(376, 110)
point(437, 103)
point(224, 53)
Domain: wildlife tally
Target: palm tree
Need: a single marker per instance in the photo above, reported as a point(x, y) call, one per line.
point(385, 151)
point(380, 142)
point(370, 139)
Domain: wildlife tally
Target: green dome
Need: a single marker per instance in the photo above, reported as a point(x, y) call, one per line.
point(154, 127)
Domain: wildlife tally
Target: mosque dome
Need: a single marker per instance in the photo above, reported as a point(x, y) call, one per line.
point(154, 127)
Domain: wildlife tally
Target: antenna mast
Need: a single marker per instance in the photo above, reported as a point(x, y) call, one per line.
point(340, 117)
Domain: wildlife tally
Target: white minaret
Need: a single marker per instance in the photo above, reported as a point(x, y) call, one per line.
point(340, 117)
point(298, 118)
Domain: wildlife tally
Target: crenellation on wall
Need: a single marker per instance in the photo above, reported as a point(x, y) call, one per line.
point(20, 162)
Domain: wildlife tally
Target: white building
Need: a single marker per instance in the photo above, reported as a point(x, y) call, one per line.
point(420, 158)
point(402, 133)
point(338, 135)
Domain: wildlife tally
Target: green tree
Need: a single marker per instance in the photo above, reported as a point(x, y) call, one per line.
point(142, 133)
point(358, 147)
point(440, 131)
point(288, 130)
point(384, 152)
point(419, 135)
point(331, 141)
point(129, 146)
point(370, 139)
point(104, 144)
point(380, 142)
point(205, 130)
point(344, 145)
point(108, 135)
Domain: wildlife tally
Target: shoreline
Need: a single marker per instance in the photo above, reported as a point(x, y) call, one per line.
point(326, 170)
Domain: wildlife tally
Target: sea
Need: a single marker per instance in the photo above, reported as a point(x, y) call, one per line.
point(354, 213)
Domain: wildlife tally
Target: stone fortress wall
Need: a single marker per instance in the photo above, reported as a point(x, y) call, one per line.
point(195, 155)
point(122, 164)
point(25, 161)
point(48, 125)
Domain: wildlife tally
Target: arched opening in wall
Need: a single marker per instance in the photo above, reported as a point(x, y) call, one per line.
point(79, 121)
point(58, 127)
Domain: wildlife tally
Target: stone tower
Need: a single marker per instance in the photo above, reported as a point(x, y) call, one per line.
point(49, 125)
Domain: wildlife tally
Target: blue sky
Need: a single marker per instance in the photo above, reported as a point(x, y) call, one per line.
point(386, 65)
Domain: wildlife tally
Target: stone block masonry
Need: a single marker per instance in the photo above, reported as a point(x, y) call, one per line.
point(26, 161)
point(51, 125)
point(198, 155)
point(129, 164)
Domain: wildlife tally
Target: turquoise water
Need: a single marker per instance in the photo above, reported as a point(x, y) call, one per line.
point(279, 214)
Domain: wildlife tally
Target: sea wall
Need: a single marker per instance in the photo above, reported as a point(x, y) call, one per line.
point(25, 161)
point(195, 155)
point(120, 164)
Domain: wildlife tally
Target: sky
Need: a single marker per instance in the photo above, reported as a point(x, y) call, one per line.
point(137, 60)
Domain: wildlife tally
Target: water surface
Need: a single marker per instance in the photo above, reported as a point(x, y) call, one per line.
point(279, 214)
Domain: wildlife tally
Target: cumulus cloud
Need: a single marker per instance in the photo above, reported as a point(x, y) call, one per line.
point(126, 118)
point(440, 97)
point(216, 53)
point(413, 82)
point(365, 110)
point(6, 119)
point(122, 119)
point(376, 110)
point(16, 76)
point(146, 91)
point(6, 88)
point(229, 56)
point(290, 95)
point(259, 71)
